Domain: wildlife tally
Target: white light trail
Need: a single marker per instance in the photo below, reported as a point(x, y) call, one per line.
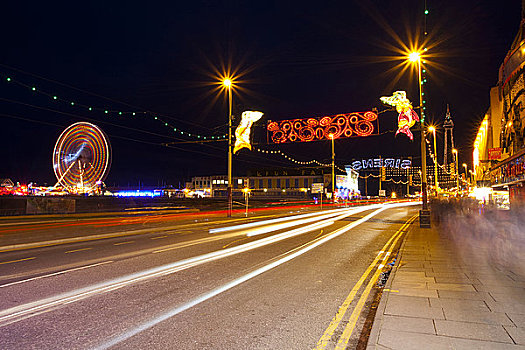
point(30, 309)
point(26, 310)
point(317, 242)
point(272, 221)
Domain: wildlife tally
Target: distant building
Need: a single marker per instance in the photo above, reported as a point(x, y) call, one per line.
point(262, 183)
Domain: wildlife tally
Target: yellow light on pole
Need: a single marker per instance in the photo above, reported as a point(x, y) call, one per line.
point(432, 129)
point(465, 166)
point(455, 152)
point(227, 83)
point(415, 57)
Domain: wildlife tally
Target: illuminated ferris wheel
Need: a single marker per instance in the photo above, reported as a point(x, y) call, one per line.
point(81, 158)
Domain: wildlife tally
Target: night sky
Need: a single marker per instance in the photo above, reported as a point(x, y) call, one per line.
point(297, 59)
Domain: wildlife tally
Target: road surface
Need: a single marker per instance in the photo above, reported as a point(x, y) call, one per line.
point(282, 279)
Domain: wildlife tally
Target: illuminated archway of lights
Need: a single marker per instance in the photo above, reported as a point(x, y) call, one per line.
point(293, 160)
point(82, 157)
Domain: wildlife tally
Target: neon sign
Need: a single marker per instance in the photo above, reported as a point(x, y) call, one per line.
point(358, 124)
point(381, 163)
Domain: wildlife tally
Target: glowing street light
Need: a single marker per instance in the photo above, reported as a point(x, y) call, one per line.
point(465, 166)
point(433, 130)
point(227, 83)
point(331, 136)
point(455, 152)
point(415, 57)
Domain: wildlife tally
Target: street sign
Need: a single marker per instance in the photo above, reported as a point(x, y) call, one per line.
point(317, 187)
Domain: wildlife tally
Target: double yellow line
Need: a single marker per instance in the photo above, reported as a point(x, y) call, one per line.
point(345, 337)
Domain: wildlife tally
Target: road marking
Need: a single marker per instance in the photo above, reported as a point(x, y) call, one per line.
point(327, 335)
point(320, 233)
point(77, 250)
point(54, 274)
point(14, 261)
point(345, 337)
point(237, 240)
point(126, 242)
point(158, 237)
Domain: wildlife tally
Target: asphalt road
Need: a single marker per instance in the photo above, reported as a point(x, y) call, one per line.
point(282, 279)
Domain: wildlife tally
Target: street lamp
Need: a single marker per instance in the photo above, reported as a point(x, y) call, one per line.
point(227, 83)
point(455, 152)
point(433, 130)
point(331, 136)
point(424, 214)
point(465, 166)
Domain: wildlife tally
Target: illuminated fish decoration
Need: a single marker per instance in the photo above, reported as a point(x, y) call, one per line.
point(242, 133)
point(407, 116)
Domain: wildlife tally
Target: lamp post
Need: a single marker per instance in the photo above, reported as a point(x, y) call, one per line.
point(424, 213)
point(465, 166)
point(455, 152)
point(227, 83)
point(433, 130)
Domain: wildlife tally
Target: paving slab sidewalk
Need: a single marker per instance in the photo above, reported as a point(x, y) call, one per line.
point(441, 295)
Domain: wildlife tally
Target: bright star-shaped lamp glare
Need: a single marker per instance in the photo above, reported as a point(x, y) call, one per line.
point(414, 56)
point(227, 82)
point(431, 129)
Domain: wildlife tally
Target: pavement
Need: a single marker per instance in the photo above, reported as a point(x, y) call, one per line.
point(446, 294)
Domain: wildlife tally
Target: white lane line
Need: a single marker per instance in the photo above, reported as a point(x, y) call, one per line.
point(78, 250)
point(55, 274)
point(126, 242)
point(234, 283)
point(158, 237)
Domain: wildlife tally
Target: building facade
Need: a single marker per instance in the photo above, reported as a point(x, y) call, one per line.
point(499, 148)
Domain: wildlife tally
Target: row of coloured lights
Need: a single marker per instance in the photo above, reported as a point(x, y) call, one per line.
point(423, 71)
point(291, 159)
point(110, 112)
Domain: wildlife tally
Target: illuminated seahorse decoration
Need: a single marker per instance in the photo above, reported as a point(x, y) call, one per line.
point(242, 133)
point(407, 116)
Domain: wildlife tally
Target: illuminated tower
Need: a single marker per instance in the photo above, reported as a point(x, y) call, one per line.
point(448, 125)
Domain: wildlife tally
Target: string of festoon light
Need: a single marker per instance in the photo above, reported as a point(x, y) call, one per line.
point(433, 157)
point(369, 175)
point(112, 112)
point(293, 160)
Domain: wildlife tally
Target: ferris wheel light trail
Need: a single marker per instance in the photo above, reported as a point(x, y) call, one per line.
point(81, 158)
point(74, 157)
